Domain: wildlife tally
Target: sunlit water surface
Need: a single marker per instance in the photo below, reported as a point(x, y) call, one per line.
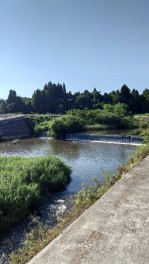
point(87, 159)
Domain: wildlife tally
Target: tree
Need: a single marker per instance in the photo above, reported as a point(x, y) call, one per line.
point(115, 96)
point(137, 102)
point(84, 100)
point(3, 107)
point(146, 100)
point(37, 101)
point(119, 109)
point(12, 97)
point(14, 103)
point(126, 96)
point(96, 99)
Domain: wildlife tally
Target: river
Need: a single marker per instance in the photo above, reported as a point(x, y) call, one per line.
point(88, 160)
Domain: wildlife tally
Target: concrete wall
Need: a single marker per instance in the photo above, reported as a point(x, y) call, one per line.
point(15, 127)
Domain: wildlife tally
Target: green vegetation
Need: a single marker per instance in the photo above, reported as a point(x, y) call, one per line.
point(111, 117)
point(23, 182)
point(41, 127)
point(39, 123)
point(145, 134)
point(41, 235)
point(92, 110)
point(59, 127)
point(54, 99)
point(141, 115)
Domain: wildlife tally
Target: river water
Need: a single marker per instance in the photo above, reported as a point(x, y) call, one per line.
point(87, 159)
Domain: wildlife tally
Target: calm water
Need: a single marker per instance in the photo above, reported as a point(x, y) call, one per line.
point(87, 159)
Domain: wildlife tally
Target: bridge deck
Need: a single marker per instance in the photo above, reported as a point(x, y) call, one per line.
point(114, 230)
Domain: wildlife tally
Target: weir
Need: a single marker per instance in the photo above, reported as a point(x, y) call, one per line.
point(115, 138)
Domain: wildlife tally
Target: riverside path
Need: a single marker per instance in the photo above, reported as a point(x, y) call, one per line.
point(115, 230)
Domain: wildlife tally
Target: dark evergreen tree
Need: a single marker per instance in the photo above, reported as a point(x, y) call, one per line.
point(3, 107)
point(146, 101)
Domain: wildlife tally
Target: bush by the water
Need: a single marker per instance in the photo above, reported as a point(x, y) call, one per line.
point(23, 181)
point(80, 120)
point(66, 124)
point(115, 116)
point(110, 117)
point(39, 123)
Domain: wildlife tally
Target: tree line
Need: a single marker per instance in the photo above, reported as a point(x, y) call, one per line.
point(54, 99)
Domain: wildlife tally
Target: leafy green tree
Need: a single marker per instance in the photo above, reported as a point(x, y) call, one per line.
point(115, 96)
point(122, 110)
point(119, 109)
point(84, 100)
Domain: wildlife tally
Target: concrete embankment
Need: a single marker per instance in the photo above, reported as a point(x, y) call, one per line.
point(115, 230)
point(14, 127)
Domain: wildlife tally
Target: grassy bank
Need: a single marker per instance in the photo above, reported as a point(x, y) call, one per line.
point(93, 120)
point(24, 181)
point(39, 122)
point(110, 117)
point(41, 236)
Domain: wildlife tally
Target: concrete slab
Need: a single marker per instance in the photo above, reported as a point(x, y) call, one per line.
point(115, 230)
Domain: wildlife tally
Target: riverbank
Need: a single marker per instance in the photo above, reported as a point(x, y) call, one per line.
point(113, 230)
point(74, 121)
point(114, 117)
point(84, 199)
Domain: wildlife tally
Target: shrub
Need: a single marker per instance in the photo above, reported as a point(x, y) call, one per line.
point(23, 181)
point(41, 127)
point(145, 135)
point(65, 124)
point(112, 116)
point(39, 123)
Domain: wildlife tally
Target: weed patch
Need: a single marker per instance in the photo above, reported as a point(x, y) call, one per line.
point(23, 182)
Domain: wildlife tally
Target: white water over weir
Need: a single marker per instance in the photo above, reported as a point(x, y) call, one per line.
point(108, 138)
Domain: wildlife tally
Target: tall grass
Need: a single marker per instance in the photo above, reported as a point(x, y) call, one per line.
point(81, 120)
point(111, 117)
point(23, 181)
point(39, 123)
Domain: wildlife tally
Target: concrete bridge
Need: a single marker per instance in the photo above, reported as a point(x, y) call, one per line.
point(14, 127)
point(115, 230)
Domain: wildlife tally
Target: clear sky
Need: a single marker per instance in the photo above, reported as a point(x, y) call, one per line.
point(83, 43)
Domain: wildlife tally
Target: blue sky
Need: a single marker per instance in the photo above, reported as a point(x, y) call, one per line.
point(83, 43)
